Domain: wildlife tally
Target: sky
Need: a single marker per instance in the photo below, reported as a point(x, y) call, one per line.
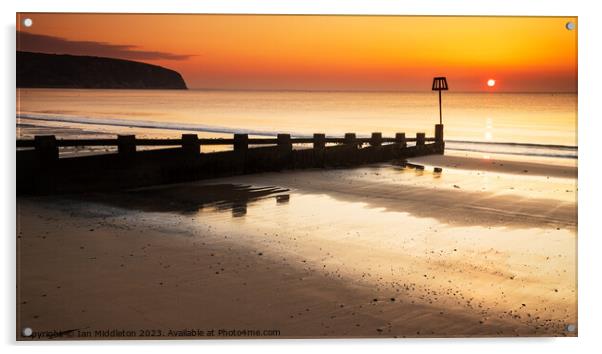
point(356, 53)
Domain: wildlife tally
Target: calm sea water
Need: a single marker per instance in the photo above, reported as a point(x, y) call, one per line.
point(514, 123)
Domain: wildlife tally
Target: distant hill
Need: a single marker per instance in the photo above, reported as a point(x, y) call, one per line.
point(38, 70)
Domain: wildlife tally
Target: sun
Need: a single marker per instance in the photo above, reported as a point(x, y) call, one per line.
point(491, 82)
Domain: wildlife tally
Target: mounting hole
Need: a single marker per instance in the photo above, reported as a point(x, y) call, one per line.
point(27, 332)
point(570, 25)
point(571, 328)
point(27, 22)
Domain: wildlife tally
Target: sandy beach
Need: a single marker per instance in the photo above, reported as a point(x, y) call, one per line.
point(487, 247)
point(232, 176)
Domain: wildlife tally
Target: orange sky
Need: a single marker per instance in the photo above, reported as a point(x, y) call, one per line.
point(325, 52)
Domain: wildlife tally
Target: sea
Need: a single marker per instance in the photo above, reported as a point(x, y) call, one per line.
point(523, 124)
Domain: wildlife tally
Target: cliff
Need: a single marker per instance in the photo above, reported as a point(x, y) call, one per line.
point(74, 71)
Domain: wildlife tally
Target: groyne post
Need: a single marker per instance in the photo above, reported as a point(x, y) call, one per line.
point(420, 139)
point(319, 150)
point(400, 138)
point(319, 141)
point(376, 139)
point(350, 139)
point(190, 144)
point(439, 133)
point(284, 142)
point(439, 138)
point(126, 145)
point(46, 149)
point(241, 142)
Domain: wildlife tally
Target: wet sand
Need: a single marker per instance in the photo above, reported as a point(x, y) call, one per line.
point(481, 249)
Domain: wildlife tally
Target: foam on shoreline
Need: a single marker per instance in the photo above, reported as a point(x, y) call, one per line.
point(508, 148)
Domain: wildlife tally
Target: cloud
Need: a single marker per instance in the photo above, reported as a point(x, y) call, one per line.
point(29, 42)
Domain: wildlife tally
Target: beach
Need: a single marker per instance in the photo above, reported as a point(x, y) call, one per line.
point(487, 247)
point(234, 176)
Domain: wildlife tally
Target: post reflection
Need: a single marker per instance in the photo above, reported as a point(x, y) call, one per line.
point(239, 207)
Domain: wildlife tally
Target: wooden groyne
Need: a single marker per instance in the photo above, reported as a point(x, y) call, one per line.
point(40, 170)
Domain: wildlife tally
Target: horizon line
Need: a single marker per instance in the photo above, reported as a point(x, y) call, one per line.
point(366, 91)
